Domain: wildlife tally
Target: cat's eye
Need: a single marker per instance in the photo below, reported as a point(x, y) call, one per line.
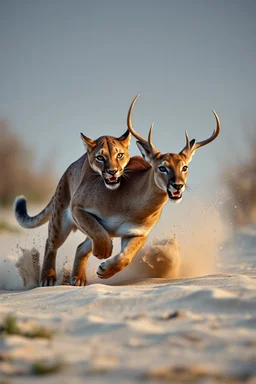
point(100, 157)
point(162, 169)
point(185, 168)
point(120, 155)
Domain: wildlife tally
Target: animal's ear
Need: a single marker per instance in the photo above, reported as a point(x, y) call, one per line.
point(89, 143)
point(189, 150)
point(146, 153)
point(125, 138)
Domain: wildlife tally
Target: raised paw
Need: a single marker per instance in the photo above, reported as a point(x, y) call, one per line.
point(78, 281)
point(111, 267)
point(102, 248)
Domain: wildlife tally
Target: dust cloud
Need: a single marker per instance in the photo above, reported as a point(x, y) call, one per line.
point(186, 242)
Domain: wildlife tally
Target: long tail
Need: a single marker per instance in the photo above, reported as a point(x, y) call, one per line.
point(26, 221)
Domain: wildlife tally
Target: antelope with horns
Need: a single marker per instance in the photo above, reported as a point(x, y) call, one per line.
point(152, 180)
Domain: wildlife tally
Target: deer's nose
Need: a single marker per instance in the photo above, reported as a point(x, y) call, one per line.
point(177, 186)
point(112, 171)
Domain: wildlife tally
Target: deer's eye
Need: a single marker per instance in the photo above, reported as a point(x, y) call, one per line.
point(100, 157)
point(162, 169)
point(120, 155)
point(185, 168)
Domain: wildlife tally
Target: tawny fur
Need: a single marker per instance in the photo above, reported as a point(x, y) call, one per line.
point(130, 211)
point(80, 183)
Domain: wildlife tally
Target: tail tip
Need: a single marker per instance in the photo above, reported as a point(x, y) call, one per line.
point(20, 206)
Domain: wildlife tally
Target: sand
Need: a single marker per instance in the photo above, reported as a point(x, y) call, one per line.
point(193, 323)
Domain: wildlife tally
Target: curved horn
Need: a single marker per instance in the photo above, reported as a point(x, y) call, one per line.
point(154, 150)
point(187, 147)
point(129, 122)
point(214, 134)
point(191, 145)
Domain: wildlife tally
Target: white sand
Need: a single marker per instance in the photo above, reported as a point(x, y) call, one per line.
point(200, 328)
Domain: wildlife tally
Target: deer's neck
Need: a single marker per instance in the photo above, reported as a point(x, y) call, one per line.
point(156, 194)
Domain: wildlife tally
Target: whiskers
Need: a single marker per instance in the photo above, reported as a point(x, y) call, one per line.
point(126, 173)
point(189, 188)
point(125, 176)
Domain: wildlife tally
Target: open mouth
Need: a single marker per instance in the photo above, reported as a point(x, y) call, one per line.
point(176, 195)
point(112, 181)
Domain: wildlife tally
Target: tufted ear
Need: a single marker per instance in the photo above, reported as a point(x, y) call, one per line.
point(125, 138)
point(145, 152)
point(89, 143)
point(189, 149)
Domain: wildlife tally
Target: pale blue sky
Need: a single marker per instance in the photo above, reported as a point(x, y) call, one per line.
point(71, 66)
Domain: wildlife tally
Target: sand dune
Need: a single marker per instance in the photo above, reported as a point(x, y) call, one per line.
point(185, 327)
point(144, 330)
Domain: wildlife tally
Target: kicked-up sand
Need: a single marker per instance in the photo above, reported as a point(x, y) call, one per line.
point(184, 311)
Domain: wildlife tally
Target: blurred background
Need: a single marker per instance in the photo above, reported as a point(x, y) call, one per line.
point(72, 66)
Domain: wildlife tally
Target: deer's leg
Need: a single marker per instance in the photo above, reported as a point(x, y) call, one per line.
point(129, 247)
point(83, 251)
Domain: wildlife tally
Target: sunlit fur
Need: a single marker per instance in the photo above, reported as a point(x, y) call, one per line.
point(83, 200)
point(109, 147)
point(85, 181)
point(174, 164)
point(170, 170)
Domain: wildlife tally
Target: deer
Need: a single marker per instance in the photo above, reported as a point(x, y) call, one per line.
point(154, 179)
